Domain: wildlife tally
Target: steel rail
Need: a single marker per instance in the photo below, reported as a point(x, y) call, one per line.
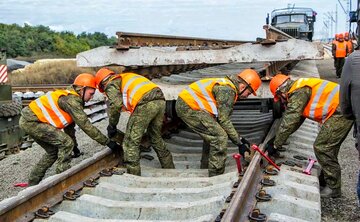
point(50, 193)
point(38, 87)
point(126, 40)
point(275, 34)
point(244, 201)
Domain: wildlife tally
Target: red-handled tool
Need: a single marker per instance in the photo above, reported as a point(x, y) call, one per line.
point(21, 184)
point(309, 166)
point(237, 157)
point(256, 148)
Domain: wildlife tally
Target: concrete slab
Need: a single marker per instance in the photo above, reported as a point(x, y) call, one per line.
point(128, 180)
point(97, 207)
point(116, 192)
point(63, 216)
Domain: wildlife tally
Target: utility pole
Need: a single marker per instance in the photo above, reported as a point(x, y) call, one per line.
point(330, 16)
point(347, 14)
point(336, 19)
point(350, 4)
point(345, 11)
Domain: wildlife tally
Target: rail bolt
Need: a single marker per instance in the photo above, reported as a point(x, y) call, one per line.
point(270, 170)
point(90, 183)
point(266, 181)
point(262, 196)
point(44, 212)
point(106, 172)
point(256, 215)
point(71, 195)
point(220, 216)
point(228, 199)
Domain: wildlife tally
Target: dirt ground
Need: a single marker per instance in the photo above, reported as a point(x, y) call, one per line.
point(344, 208)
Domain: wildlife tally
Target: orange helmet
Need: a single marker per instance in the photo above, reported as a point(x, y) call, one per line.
point(252, 78)
point(346, 34)
point(336, 36)
point(101, 75)
point(341, 36)
point(85, 80)
point(277, 81)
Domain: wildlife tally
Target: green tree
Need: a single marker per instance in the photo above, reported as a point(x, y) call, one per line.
point(36, 40)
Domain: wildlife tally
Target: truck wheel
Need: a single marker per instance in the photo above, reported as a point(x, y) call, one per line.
point(10, 109)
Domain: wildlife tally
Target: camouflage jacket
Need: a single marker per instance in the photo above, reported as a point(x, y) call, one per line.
point(225, 96)
point(74, 106)
point(114, 95)
point(293, 115)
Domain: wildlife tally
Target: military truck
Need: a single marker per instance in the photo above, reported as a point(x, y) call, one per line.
point(10, 133)
point(295, 21)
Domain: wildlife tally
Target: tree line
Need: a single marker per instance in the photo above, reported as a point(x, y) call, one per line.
point(40, 40)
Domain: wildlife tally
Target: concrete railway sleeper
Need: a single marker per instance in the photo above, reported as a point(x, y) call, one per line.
point(98, 189)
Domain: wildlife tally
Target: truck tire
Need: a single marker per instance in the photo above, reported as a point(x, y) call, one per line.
point(10, 109)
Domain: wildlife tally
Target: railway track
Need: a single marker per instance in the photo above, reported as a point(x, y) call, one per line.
point(38, 87)
point(98, 189)
point(30, 92)
point(187, 189)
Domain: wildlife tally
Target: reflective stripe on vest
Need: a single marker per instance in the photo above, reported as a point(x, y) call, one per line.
point(47, 110)
point(133, 88)
point(198, 95)
point(324, 98)
point(340, 50)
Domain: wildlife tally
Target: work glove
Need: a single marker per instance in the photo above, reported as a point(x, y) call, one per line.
point(114, 146)
point(111, 131)
point(243, 148)
point(76, 152)
point(244, 141)
point(272, 150)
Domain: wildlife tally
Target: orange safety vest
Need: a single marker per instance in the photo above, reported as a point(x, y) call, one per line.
point(340, 49)
point(198, 95)
point(324, 98)
point(133, 88)
point(349, 46)
point(47, 109)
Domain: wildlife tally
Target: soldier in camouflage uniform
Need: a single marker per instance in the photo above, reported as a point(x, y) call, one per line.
point(146, 103)
point(318, 100)
point(45, 118)
point(206, 105)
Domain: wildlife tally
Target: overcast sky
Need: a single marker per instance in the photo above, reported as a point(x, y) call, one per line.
point(225, 19)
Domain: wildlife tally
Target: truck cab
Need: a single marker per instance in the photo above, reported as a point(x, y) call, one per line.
point(297, 22)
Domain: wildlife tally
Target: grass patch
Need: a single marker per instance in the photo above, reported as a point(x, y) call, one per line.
point(51, 71)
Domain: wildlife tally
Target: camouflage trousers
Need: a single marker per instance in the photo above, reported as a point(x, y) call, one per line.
point(327, 145)
point(57, 144)
point(148, 116)
point(214, 136)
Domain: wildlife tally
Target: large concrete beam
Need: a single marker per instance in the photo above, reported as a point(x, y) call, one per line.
point(291, 49)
